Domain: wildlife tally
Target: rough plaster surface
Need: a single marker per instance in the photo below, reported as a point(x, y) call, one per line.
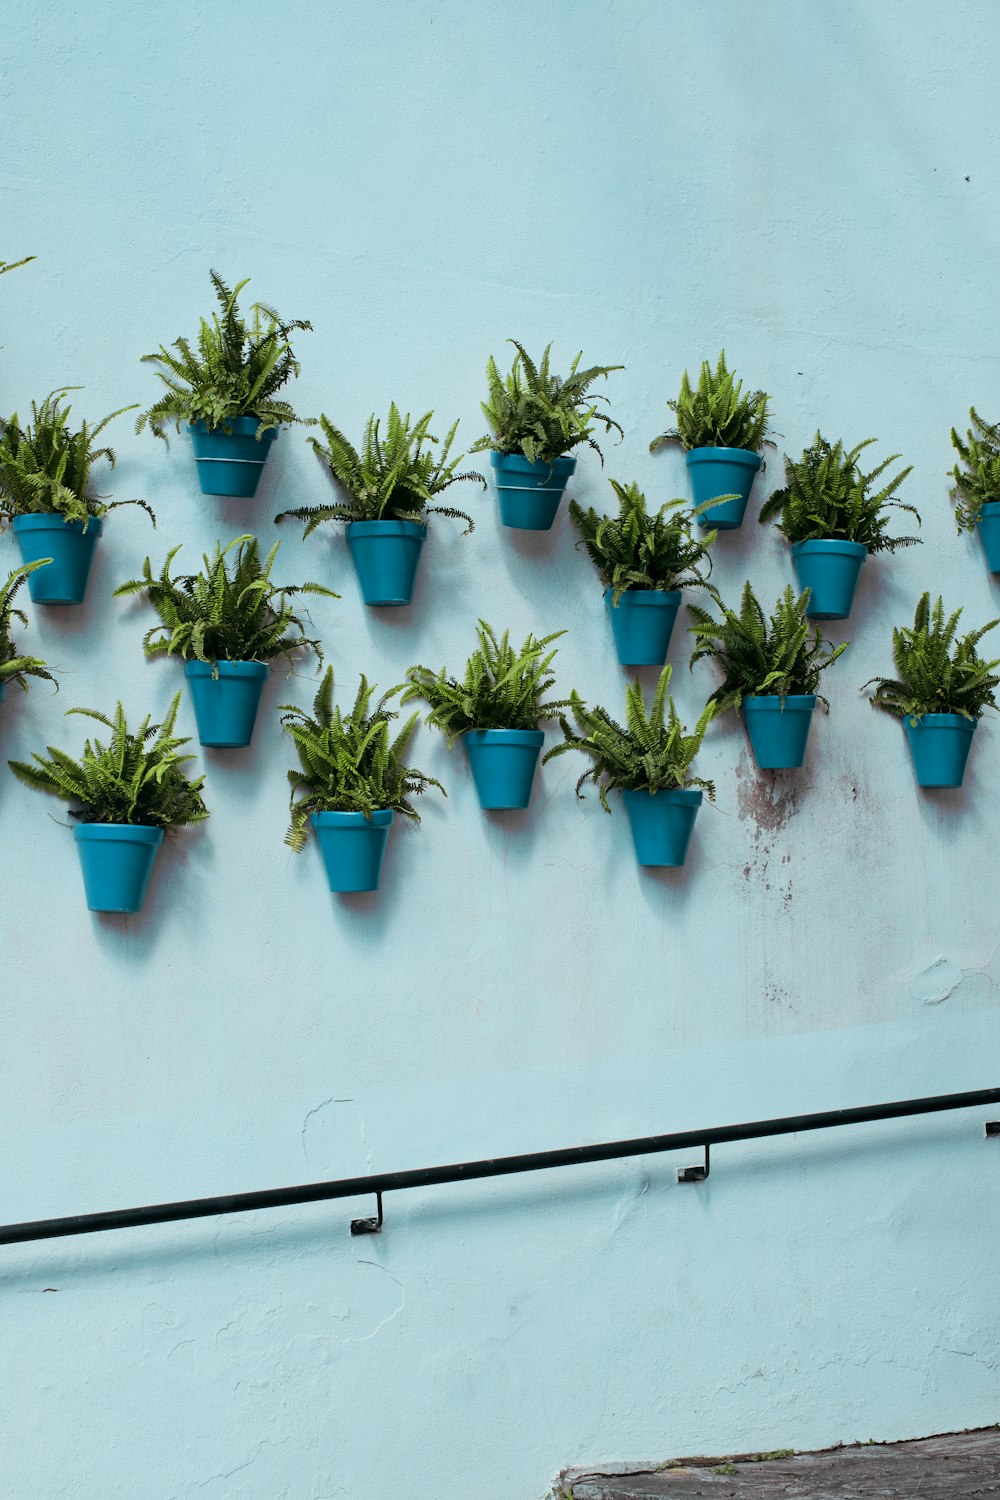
point(816, 188)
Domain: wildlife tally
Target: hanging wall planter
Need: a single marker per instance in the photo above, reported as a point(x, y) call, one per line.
point(535, 419)
point(721, 431)
point(226, 696)
point(976, 491)
point(642, 623)
point(778, 729)
point(69, 544)
point(117, 861)
point(726, 472)
point(662, 824)
point(832, 515)
point(385, 556)
point(939, 745)
point(497, 709)
point(127, 793)
point(353, 848)
point(988, 527)
point(231, 463)
point(941, 688)
point(530, 493)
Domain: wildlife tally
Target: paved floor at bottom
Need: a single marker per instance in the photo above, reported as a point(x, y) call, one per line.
point(964, 1464)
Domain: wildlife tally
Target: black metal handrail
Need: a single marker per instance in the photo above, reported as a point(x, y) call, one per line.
point(500, 1166)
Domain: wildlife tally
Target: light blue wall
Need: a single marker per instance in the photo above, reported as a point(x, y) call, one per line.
point(813, 186)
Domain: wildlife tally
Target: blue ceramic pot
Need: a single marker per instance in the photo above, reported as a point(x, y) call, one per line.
point(225, 705)
point(503, 765)
point(642, 623)
point(353, 847)
point(830, 570)
point(778, 729)
point(71, 548)
point(530, 493)
point(117, 860)
point(231, 463)
point(722, 471)
point(940, 745)
point(988, 527)
point(662, 823)
point(385, 556)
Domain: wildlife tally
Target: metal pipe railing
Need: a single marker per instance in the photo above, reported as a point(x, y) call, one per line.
point(500, 1166)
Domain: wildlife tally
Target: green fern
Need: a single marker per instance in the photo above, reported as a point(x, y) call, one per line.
point(236, 370)
point(652, 752)
point(540, 415)
point(12, 265)
point(392, 478)
point(637, 550)
point(13, 666)
point(45, 466)
point(230, 611)
point(781, 655)
point(136, 778)
point(349, 762)
point(502, 688)
point(716, 414)
point(938, 671)
point(978, 482)
point(827, 496)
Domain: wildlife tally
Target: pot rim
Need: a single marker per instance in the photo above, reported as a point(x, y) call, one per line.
point(242, 427)
point(686, 796)
point(227, 668)
point(833, 544)
point(565, 463)
point(504, 736)
point(774, 703)
point(51, 520)
point(120, 833)
point(387, 528)
point(939, 721)
point(663, 597)
point(745, 456)
point(381, 818)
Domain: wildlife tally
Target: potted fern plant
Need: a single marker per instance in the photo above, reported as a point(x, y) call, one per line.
point(389, 489)
point(228, 622)
point(644, 561)
point(226, 390)
point(536, 419)
point(497, 709)
point(833, 515)
point(350, 782)
point(125, 795)
point(976, 493)
point(14, 665)
point(649, 761)
point(721, 431)
point(940, 692)
point(771, 670)
point(45, 496)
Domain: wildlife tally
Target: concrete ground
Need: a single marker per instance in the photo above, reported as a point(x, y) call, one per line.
point(962, 1466)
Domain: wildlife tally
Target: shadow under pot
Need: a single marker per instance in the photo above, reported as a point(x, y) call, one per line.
point(116, 860)
point(69, 544)
point(939, 745)
point(642, 623)
point(231, 463)
point(988, 527)
point(778, 728)
point(830, 570)
point(529, 493)
point(728, 472)
point(662, 823)
point(503, 763)
point(353, 847)
point(385, 556)
point(226, 696)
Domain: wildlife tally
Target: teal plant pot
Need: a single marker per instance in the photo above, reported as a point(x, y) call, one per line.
point(662, 823)
point(117, 860)
point(231, 463)
point(225, 706)
point(503, 765)
point(642, 623)
point(529, 494)
point(385, 556)
point(988, 527)
point(940, 745)
point(71, 549)
point(722, 471)
point(3, 691)
point(830, 570)
point(353, 847)
point(779, 728)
